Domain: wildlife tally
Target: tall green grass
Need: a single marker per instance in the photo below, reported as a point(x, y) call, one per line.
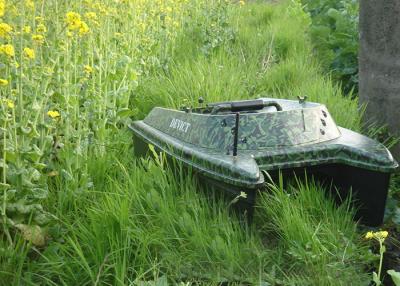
point(319, 237)
point(130, 220)
point(144, 221)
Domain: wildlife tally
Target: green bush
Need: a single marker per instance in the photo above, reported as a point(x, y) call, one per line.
point(334, 30)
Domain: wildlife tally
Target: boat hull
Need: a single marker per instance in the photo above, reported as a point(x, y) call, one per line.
point(368, 188)
point(233, 144)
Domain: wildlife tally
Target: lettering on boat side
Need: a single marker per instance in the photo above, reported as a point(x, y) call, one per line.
point(179, 125)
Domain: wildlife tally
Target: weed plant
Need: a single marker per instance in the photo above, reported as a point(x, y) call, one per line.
point(334, 31)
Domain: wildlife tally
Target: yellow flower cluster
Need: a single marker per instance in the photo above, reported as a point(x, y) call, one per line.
point(7, 50)
point(73, 20)
point(379, 235)
point(9, 103)
point(30, 4)
point(101, 8)
point(27, 29)
point(91, 15)
point(5, 30)
point(38, 39)
point(3, 82)
point(88, 70)
point(29, 53)
point(2, 7)
point(75, 23)
point(41, 28)
point(53, 114)
point(92, 18)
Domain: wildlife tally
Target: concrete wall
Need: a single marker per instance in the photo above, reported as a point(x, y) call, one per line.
point(379, 63)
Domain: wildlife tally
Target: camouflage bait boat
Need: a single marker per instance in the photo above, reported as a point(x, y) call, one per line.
point(235, 144)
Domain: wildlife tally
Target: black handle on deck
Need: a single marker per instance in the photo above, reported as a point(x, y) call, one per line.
point(245, 105)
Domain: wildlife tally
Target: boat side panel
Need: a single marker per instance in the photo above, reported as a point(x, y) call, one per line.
point(257, 130)
point(241, 171)
point(368, 189)
point(350, 149)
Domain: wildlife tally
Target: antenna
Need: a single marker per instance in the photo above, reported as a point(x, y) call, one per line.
point(236, 134)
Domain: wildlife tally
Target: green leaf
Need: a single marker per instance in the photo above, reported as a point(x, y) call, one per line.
point(153, 151)
point(333, 13)
point(34, 175)
point(125, 112)
point(40, 193)
point(41, 219)
point(375, 278)
point(26, 130)
point(40, 166)
point(395, 276)
point(11, 156)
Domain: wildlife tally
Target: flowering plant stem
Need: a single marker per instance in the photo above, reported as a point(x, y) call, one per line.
point(380, 236)
point(382, 249)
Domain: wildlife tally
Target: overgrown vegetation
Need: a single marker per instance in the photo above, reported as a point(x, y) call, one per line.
point(334, 31)
point(91, 213)
point(68, 71)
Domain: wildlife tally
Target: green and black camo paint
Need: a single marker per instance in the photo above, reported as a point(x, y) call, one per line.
point(301, 135)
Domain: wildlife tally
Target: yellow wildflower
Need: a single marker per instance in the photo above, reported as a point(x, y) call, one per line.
point(53, 114)
point(88, 70)
point(8, 50)
point(30, 4)
point(84, 29)
point(29, 53)
point(3, 82)
point(39, 39)
point(10, 104)
point(41, 28)
point(48, 71)
point(369, 235)
point(241, 2)
point(91, 15)
point(5, 30)
point(27, 29)
point(379, 235)
point(134, 75)
point(73, 20)
point(39, 19)
point(142, 26)
point(2, 7)
point(75, 23)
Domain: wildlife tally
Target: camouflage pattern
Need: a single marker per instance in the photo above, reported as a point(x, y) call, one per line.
point(241, 171)
point(302, 134)
point(298, 125)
